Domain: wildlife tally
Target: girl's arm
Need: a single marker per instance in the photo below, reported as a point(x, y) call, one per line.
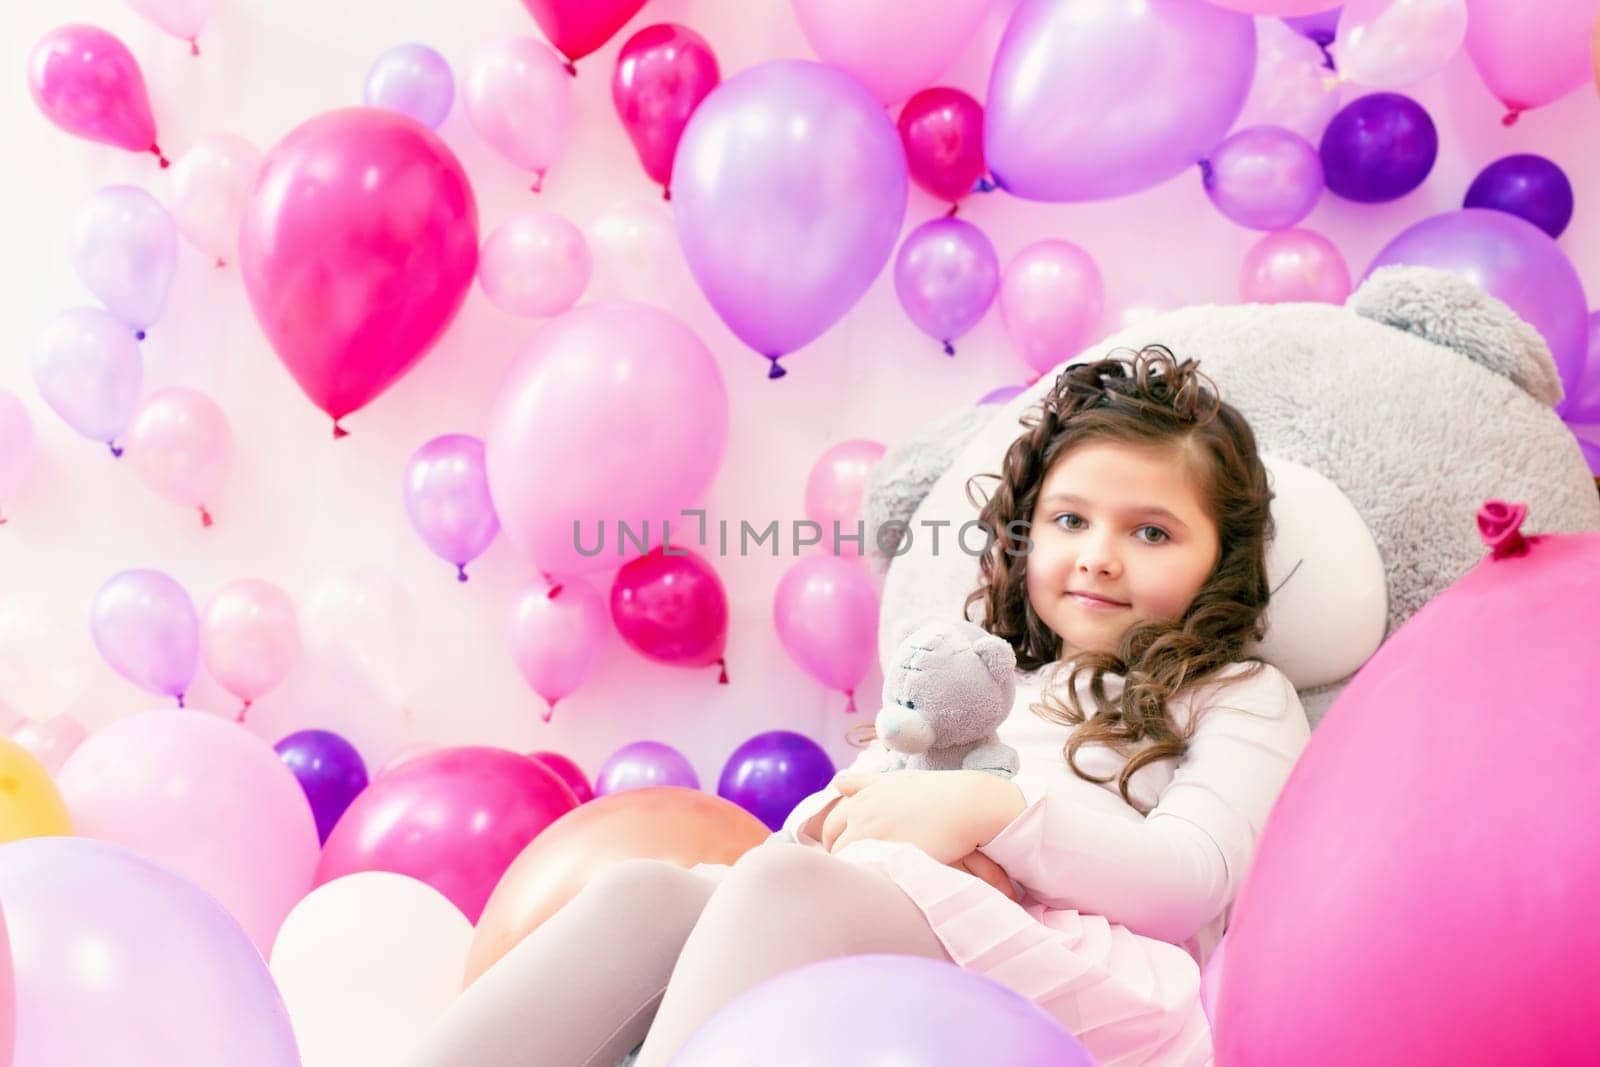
point(805, 820)
point(1169, 874)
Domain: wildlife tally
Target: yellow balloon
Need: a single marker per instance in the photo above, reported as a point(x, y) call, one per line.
point(30, 806)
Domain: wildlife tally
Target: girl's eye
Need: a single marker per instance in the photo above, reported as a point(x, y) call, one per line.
point(1070, 521)
point(1151, 535)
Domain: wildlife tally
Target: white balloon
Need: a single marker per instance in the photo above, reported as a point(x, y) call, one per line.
point(181, 18)
point(362, 617)
point(1293, 86)
point(210, 186)
point(634, 249)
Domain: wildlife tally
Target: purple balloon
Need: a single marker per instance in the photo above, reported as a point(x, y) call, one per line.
point(772, 772)
point(1513, 261)
point(1529, 187)
point(882, 1010)
point(146, 626)
point(1091, 99)
point(1003, 395)
point(329, 769)
point(1582, 403)
point(1264, 177)
point(946, 276)
point(125, 250)
point(447, 499)
point(643, 764)
point(414, 80)
point(788, 188)
point(1378, 147)
point(89, 370)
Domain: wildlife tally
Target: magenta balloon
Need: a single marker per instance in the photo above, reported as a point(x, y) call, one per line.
point(454, 818)
point(946, 276)
point(662, 74)
point(555, 635)
point(556, 456)
point(1051, 300)
point(1264, 177)
point(146, 627)
point(1091, 99)
point(826, 612)
point(358, 245)
point(1512, 260)
point(88, 83)
point(672, 609)
point(1294, 265)
point(569, 772)
point(942, 131)
point(788, 188)
point(447, 499)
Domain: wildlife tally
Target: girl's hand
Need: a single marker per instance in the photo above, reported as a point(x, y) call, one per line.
point(982, 867)
point(947, 814)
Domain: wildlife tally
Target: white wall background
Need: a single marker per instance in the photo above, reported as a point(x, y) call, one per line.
point(299, 506)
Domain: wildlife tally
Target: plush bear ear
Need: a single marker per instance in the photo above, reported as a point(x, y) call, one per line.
point(904, 475)
point(1449, 310)
point(998, 657)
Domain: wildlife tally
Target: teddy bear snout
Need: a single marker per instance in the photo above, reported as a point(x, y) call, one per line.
point(903, 729)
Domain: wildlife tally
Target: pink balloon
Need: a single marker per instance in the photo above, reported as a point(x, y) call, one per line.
point(182, 18)
point(145, 626)
point(1293, 265)
point(555, 634)
point(662, 74)
point(453, 819)
point(826, 612)
point(180, 446)
point(1211, 980)
point(88, 83)
point(834, 488)
point(578, 27)
point(942, 131)
point(893, 47)
point(556, 459)
point(204, 798)
point(535, 264)
point(569, 772)
point(346, 208)
point(250, 637)
point(52, 740)
point(1281, 8)
point(211, 185)
point(1529, 55)
point(447, 499)
point(519, 99)
point(16, 447)
point(672, 609)
point(1051, 297)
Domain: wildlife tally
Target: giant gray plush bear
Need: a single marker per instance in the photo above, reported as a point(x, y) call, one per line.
point(1385, 424)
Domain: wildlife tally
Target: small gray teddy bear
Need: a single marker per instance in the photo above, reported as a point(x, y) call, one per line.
point(949, 686)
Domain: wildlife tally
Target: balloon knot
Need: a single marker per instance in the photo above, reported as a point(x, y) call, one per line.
point(538, 181)
point(1500, 526)
point(949, 349)
point(245, 710)
point(722, 679)
point(666, 192)
point(339, 431)
point(138, 335)
point(549, 711)
point(1207, 175)
point(775, 371)
point(180, 700)
point(461, 572)
point(554, 591)
point(572, 68)
point(850, 701)
point(1510, 117)
point(116, 449)
point(194, 46)
point(985, 184)
point(165, 162)
point(3, 520)
point(954, 207)
point(205, 516)
point(220, 263)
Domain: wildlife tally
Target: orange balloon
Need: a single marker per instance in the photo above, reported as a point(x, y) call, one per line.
point(681, 826)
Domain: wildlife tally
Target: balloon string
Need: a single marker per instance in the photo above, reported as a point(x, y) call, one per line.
point(205, 516)
point(461, 572)
point(722, 679)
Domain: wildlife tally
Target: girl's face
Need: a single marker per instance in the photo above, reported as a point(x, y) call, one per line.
point(1120, 535)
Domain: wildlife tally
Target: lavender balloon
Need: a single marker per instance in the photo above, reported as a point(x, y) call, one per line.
point(1264, 177)
point(146, 626)
point(1091, 99)
point(125, 249)
point(1583, 402)
point(788, 188)
point(1529, 187)
point(643, 764)
point(946, 276)
point(1003, 395)
point(414, 80)
point(1512, 260)
point(1378, 147)
point(447, 499)
point(772, 772)
point(329, 769)
point(89, 370)
point(118, 960)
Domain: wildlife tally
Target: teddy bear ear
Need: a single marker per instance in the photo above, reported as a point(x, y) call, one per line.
point(997, 656)
point(1448, 310)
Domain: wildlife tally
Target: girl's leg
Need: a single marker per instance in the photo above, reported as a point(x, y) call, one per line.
point(780, 907)
point(580, 990)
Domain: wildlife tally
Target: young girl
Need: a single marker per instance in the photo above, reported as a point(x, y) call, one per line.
point(1128, 572)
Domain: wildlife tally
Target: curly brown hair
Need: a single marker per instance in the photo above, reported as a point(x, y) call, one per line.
point(1143, 398)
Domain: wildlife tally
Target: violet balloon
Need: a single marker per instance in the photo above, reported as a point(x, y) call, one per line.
point(826, 613)
point(662, 74)
point(88, 369)
point(179, 445)
point(447, 499)
point(453, 818)
point(1091, 99)
point(329, 769)
point(1528, 186)
point(788, 189)
point(1513, 261)
point(555, 635)
point(1582, 403)
point(119, 960)
point(1003, 395)
point(250, 638)
point(519, 99)
point(644, 764)
point(942, 131)
point(88, 83)
point(16, 447)
point(1294, 265)
point(833, 493)
point(535, 264)
point(349, 203)
point(672, 609)
point(946, 276)
point(1378, 147)
point(1051, 299)
point(1263, 177)
point(414, 80)
point(125, 250)
point(772, 772)
point(569, 772)
point(145, 626)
